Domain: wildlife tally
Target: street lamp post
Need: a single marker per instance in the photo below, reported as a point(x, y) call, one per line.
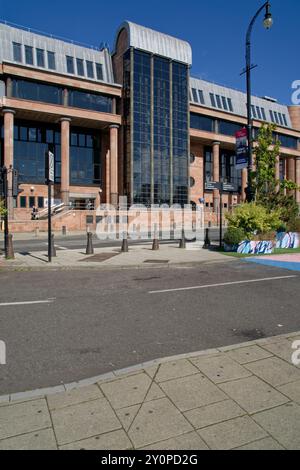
point(268, 22)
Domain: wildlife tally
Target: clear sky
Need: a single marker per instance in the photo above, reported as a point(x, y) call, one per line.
point(215, 29)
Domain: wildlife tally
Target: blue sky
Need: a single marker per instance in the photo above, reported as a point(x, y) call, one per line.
point(215, 29)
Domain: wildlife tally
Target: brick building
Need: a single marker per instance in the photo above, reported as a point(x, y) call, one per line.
point(132, 122)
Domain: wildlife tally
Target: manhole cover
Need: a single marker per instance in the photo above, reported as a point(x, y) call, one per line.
point(99, 257)
point(157, 261)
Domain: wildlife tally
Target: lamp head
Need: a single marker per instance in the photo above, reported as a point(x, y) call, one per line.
point(268, 20)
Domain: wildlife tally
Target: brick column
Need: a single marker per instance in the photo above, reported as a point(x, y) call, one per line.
point(291, 172)
point(298, 179)
point(244, 183)
point(277, 170)
point(216, 173)
point(9, 115)
point(114, 164)
point(65, 159)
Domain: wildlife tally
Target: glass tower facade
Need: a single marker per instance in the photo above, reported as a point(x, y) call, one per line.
point(156, 110)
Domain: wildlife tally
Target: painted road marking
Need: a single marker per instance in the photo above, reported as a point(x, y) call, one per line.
point(222, 284)
point(32, 302)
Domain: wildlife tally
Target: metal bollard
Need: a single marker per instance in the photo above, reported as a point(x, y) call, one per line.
point(182, 244)
point(89, 246)
point(53, 249)
point(10, 248)
point(64, 230)
point(125, 248)
point(206, 245)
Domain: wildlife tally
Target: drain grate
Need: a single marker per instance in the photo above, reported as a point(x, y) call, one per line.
point(157, 261)
point(100, 257)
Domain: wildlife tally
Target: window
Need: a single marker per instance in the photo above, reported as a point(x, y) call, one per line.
point(228, 128)
point(219, 101)
point(272, 116)
point(23, 202)
point(31, 201)
point(288, 141)
point(80, 68)
point(85, 158)
point(280, 119)
point(258, 112)
point(40, 202)
point(195, 95)
point(253, 111)
point(202, 123)
point(263, 114)
point(30, 144)
point(40, 58)
point(276, 117)
point(51, 60)
point(29, 55)
point(229, 101)
point(17, 52)
point(224, 103)
point(192, 158)
point(35, 91)
point(99, 71)
point(208, 165)
point(212, 99)
point(284, 120)
point(93, 101)
point(90, 69)
point(70, 64)
point(201, 97)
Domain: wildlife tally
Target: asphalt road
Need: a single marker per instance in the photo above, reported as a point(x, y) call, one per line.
point(76, 242)
point(99, 321)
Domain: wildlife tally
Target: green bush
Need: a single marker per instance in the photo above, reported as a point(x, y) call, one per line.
point(295, 226)
point(254, 219)
point(234, 236)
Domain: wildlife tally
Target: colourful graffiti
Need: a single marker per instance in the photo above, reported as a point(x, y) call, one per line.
point(287, 240)
point(255, 247)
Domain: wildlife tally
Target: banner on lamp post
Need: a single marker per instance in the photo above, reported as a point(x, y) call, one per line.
point(241, 149)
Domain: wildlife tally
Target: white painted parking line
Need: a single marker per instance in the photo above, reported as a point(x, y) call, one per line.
point(32, 302)
point(232, 283)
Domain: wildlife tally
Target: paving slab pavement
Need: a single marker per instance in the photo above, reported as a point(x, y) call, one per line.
point(242, 397)
point(111, 258)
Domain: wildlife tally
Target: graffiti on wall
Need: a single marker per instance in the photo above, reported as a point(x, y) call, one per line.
point(287, 240)
point(256, 247)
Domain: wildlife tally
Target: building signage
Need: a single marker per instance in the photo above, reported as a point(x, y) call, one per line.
point(51, 166)
point(225, 187)
point(241, 149)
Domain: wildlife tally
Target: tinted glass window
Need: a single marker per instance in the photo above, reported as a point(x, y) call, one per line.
point(80, 68)
point(195, 95)
point(201, 122)
point(35, 91)
point(85, 159)
point(99, 71)
point(29, 55)
point(70, 64)
point(23, 202)
point(90, 69)
point(30, 144)
point(212, 99)
point(40, 202)
point(51, 60)
point(40, 58)
point(93, 101)
point(17, 52)
point(228, 128)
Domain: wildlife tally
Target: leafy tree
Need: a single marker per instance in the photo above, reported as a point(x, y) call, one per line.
point(270, 192)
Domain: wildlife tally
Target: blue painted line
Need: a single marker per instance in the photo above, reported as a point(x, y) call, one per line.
point(276, 264)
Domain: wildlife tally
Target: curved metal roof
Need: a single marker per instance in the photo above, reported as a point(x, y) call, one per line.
point(152, 41)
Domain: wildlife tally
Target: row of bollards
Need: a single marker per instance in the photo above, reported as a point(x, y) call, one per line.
point(90, 249)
